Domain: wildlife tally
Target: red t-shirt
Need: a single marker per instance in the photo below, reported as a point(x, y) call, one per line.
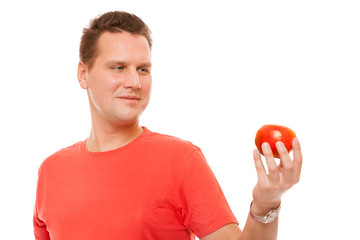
point(156, 187)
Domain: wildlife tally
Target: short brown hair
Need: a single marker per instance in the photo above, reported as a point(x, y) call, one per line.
point(116, 21)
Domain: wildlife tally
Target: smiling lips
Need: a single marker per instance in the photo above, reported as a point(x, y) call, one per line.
point(130, 97)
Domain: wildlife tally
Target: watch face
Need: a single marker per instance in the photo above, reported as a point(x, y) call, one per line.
point(271, 217)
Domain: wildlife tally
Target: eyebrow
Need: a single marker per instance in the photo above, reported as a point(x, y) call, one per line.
point(144, 64)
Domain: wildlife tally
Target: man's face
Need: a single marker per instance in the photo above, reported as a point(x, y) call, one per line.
point(119, 82)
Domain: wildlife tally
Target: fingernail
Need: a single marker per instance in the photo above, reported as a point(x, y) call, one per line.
point(266, 146)
point(279, 144)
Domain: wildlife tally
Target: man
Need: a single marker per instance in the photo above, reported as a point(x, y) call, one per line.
point(126, 182)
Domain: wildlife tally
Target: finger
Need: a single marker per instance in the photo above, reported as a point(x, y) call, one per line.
point(260, 169)
point(271, 164)
point(284, 155)
point(287, 167)
point(297, 156)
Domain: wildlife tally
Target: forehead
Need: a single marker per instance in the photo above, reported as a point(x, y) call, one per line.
point(123, 46)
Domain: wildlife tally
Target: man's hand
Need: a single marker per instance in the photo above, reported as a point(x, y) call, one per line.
point(267, 193)
point(270, 187)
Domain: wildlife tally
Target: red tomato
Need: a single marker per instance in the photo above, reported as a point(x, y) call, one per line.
point(272, 134)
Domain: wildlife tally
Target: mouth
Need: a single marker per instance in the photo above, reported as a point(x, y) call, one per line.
point(130, 98)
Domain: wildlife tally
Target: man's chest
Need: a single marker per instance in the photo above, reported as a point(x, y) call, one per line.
point(112, 199)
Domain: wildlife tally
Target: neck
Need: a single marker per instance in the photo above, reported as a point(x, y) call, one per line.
point(105, 138)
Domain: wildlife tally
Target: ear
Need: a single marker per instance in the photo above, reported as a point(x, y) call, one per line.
point(82, 74)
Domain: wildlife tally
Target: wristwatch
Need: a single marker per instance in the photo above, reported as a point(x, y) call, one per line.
point(271, 216)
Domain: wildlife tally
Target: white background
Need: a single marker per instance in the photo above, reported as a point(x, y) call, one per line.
point(221, 69)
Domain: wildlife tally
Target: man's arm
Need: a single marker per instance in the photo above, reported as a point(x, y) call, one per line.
point(266, 194)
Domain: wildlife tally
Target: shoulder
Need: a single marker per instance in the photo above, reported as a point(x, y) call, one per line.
point(171, 151)
point(58, 157)
point(171, 143)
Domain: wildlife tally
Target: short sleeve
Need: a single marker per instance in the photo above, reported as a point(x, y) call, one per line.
point(40, 228)
point(205, 206)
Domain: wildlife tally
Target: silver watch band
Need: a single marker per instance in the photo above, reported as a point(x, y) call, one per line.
point(270, 217)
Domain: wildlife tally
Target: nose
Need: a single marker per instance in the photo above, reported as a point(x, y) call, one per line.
point(132, 80)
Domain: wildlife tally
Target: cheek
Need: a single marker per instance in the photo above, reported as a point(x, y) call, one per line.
point(146, 86)
point(100, 89)
point(146, 92)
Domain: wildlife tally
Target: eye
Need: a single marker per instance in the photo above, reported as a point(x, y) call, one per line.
point(118, 68)
point(144, 70)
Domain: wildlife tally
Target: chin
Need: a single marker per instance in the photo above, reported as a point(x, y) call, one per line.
point(127, 120)
point(126, 116)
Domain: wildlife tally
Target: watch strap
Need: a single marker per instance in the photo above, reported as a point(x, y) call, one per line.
point(270, 217)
